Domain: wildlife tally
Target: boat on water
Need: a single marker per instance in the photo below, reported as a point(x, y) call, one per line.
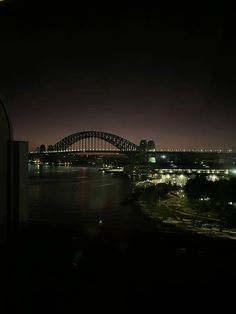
point(117, 169)
point(102, 169)
point(111, 169)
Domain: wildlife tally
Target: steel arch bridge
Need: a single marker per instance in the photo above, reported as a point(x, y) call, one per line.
point(92, 141)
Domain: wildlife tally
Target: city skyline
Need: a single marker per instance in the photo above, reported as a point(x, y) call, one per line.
point(164, 75)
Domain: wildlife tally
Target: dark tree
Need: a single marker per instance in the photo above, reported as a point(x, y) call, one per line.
point(153, 193)
point(220, 192)
point(197, 188)
point(42, 148)
point(232, 190)
point(162, 189)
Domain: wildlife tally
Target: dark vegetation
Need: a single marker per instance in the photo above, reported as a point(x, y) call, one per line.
point(219, 192)
point(217, 197)
point(154, 193)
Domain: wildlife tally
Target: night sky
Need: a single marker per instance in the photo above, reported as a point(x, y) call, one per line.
point(160, 73)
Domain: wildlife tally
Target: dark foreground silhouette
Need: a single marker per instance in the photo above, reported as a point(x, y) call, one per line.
point(57, 270)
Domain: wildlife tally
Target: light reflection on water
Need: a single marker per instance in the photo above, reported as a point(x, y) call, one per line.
point(66, 193)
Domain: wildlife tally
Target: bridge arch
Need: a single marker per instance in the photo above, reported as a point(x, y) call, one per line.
point(117, 141)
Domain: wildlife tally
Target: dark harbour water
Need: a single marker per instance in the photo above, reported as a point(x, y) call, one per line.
point(76, 195)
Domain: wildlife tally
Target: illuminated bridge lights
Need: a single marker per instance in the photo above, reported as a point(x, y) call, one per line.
point(195, 150)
